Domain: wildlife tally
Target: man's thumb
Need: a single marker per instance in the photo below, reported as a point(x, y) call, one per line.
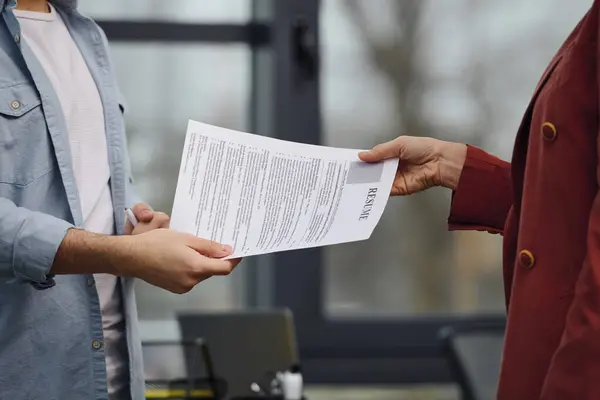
point(143, 212)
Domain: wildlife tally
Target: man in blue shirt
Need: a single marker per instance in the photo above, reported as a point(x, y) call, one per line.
point(67, 257)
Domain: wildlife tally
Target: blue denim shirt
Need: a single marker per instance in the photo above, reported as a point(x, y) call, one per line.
point(51, 327)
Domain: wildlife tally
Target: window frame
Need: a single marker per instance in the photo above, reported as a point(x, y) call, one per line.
point(285, 103)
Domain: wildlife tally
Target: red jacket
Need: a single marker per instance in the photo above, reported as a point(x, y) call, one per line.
point(546, 203)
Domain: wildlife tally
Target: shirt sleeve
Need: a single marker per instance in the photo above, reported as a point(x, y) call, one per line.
point(28, 242)
point(483, 196)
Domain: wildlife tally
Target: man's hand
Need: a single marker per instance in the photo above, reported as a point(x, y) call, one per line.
point(424, 163)
point(168, 259)
point(148, 220)
point(172, 260)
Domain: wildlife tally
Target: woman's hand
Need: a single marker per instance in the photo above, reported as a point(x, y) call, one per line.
point(424, 163)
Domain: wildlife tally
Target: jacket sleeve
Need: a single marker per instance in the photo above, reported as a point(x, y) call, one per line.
point(28, 242)
point(483, 196)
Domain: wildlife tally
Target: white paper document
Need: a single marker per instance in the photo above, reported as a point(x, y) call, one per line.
point(262, 195)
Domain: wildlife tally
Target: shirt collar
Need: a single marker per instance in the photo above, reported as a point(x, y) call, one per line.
point(62, 4)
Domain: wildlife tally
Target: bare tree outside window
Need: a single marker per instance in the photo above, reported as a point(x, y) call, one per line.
point(460, 70)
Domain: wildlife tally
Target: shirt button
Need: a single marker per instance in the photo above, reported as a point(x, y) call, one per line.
point(17, 38)
point(549, 131)
point(96, 344)
point(15, 104)
point(90, 281)
point(526, 259)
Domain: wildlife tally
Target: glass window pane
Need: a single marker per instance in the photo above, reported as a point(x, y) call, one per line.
point(457, 70)
point(228, 11)
point(164, 86)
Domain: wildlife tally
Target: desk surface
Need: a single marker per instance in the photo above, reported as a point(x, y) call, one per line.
point(178, 394)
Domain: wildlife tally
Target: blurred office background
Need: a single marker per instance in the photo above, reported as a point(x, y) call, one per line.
point(459, 70)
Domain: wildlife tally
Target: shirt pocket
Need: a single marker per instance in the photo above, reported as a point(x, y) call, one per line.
point(25, 148)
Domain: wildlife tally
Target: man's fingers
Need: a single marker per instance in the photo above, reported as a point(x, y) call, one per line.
point(225, 267)
point(128, 228)
point(208, 247)
point(161, 220)
point(143, 212)
point(383, 151)
point(234, 262)
point(211, 266)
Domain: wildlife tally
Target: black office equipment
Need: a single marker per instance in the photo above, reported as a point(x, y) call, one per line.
point(474, 353)
point(245, 346)
point(168, 376)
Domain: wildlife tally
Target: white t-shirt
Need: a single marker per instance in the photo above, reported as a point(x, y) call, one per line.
point(58, 53)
